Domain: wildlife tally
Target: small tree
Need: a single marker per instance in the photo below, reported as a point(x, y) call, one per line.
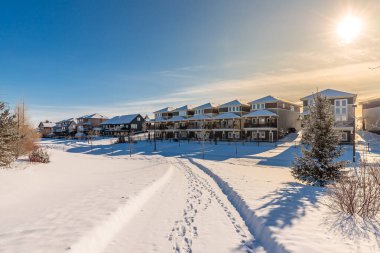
point(317, 165)
point(28, 136)
point(8, 136)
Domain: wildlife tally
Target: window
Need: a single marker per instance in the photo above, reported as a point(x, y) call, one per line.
point(262, 120)
point(341, 110)
point(133, 126)
point(253, 107)
point(230, 135)
point(262, 135)
point(344, 136)
point(292, 108)
point(138, 118)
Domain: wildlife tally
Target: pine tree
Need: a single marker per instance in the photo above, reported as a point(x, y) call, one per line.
point(318, 165)
point(8, 136)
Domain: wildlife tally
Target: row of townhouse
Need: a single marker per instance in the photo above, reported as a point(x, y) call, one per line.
point(266, 119)
point(94, 124)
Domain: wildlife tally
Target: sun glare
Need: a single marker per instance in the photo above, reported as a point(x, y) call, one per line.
point(349, 28)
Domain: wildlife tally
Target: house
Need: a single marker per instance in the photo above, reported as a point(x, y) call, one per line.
point(343, 106)
point(164, 113)
point(200, 125)
point(124, 125)
point(65, 128)
point(90, 123)
point(228, 123)
point(271, 118)
point(46, 128)
point(371, 115)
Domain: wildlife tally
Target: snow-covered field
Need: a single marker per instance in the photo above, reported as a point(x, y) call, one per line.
point(183, 197)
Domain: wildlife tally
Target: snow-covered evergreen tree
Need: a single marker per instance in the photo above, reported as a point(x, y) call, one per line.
point(8, 136)
point(317, 165)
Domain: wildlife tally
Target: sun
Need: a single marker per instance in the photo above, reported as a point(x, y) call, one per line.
point(349, 28)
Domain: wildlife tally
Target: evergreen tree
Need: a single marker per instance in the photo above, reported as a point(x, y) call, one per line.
point(318, 165)
point(8, 136)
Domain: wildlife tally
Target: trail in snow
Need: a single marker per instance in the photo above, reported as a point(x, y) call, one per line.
point(190, 214)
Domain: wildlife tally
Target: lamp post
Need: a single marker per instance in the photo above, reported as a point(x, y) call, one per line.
point(353, 137)
point(154, 136)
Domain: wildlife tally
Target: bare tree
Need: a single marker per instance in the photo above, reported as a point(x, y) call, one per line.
point(357, 192)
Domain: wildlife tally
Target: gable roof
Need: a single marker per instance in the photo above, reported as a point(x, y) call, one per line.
point(183, 108)
point(123, 119)
point(166, 109)
point(93, 116)
point(260, 113)
point(271, 99)
point(330, 93)
point(267, 99)
point(206, 106)
point(235, 102)
point(47, 124)
point(227, 115)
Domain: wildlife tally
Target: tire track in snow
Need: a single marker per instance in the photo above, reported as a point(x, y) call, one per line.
point(98, 239)
point(201, 194)
point(254, 223)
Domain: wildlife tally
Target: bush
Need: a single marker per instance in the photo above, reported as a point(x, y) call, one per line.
point(357, 192)
point(38, 155)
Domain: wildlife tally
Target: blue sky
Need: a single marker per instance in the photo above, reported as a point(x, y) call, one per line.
point(68, 58)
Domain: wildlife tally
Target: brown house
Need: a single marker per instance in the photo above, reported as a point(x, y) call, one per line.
point(46, 128)
point(90, 123)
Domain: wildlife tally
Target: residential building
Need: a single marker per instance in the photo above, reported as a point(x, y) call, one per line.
point(124, 125)
point(46, 129)
point(271, 119)
point(164, 113)
point(65, 128)
point(228, 123)
point(90, 123)
point(200, 125)
point(343, 106)
point(371, 115)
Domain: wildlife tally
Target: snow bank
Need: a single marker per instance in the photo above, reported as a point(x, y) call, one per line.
point(102, 235)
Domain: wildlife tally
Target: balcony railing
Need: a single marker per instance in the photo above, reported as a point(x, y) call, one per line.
point(253, 125)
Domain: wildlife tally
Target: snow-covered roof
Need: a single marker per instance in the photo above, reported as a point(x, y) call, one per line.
point(174, 119)
point(267, 99)
point(183, 108)
point(47, 124)
point(166, 109)
point(200, 117)
point(159, 120)
point(206, 106)
point(124, 119)
point(66, 121)
point(260, 113)
point(330, 93)
point(235, 102)
point(93, 116)
point(227, 115)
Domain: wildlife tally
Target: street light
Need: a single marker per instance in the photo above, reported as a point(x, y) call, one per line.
point(353, 137)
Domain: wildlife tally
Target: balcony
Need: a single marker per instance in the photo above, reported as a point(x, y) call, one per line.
point(256, 125)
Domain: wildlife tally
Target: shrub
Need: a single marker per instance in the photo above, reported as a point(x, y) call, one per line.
point(357, 192)
point(38, 155)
